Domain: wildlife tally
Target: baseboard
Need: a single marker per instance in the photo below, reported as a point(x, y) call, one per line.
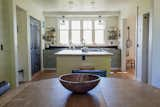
point(114, 69)
point(55, 69)
point(52, 69)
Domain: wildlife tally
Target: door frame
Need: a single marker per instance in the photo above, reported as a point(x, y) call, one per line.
point(139, 28)
point(145, 44)
point(25, 61)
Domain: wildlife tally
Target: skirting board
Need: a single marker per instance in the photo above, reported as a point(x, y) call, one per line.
point(50, 69)
point(113, 69)
point(54, 69)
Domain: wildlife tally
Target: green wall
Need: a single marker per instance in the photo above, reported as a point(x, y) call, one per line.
point(7, 38)
point(4, 39)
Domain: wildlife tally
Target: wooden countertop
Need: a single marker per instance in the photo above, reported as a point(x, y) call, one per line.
point(109, 93)
point(79, 52)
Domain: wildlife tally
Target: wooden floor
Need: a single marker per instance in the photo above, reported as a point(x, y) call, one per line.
point(114, 74)
point(44, 75)
point(129, 74)
point(109, 93)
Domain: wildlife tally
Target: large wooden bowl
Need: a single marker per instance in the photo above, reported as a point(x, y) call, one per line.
point(79, 83)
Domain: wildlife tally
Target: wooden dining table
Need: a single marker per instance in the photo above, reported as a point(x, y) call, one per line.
point(109, 92)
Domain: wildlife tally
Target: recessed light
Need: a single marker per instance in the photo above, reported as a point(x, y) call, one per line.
point(92, 2)
point(70, 2)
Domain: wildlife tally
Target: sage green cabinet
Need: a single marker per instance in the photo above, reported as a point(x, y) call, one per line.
point(49, 59)
point(116, 58)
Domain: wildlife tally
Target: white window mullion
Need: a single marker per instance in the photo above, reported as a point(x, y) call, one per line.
point(70, 34)
point(78, 29)
point(105, 33)
point(87, 32)
point(93, 32)
point(99, 32)
point(58, 33)
point(81, 30)
point(63, 32)
point(75, 32)
point(105, 36)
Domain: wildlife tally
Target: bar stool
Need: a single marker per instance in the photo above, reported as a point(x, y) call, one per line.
point(101, 73)
point(86, 68)
point(130, 63)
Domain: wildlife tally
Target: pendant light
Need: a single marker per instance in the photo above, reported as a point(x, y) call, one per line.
point(100, 21)
point(63, 20)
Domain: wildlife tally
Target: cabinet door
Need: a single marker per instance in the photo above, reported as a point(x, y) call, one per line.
point(49, 58)
point(116, 58)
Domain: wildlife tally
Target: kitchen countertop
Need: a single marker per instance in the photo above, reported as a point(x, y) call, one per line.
point(79, 52)
point(55, 47)
point(109, 93)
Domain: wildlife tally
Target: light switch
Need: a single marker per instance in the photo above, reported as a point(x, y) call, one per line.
point(1, 47)
point(83, 57)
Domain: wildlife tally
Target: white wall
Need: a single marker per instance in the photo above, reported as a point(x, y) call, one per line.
point(152, 7)
point(131, 22)
point(8, 37)
point(35, 11)
point(144, 7)
point(31, 8)
point(4, 69)
point(123, 26)
point(23, 62)
point(7, 56)
point(128, 13)
point(50, 22)
point(111, 21)
point(155, 65)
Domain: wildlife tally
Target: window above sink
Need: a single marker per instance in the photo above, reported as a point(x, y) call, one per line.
point(75, 31)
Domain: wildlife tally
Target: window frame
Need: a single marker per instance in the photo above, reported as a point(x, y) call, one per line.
point(70, 23)
point(92, 30)
point(104, 32)
point(81, 31)
point(58, 37)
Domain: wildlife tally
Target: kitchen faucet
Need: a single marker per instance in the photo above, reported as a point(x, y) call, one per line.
point(71, 46)
point(84, 48)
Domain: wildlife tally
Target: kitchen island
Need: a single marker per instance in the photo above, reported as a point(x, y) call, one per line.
point(68, 60)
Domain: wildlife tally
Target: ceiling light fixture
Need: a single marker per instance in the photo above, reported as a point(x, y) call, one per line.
point(100, 19)
point(70, 3)
point(92, 3)
point(63, 20)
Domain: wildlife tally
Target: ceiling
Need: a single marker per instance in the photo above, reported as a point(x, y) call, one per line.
point(85, 5)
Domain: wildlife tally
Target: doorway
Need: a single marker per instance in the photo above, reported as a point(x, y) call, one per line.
point(145, 47)
point(22, 44)
point(35, 29)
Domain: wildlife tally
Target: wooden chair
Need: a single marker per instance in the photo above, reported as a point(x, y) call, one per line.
point(130, 63)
